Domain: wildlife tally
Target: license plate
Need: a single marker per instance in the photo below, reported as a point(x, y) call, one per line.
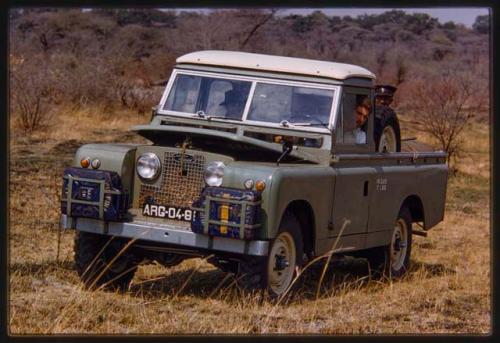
point(168, 212)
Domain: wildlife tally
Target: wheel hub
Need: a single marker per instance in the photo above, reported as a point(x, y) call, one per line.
point(281, 265)
point(280, 262)
point(399, 245)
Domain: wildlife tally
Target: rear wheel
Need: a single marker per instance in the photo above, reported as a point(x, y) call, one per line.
point(94, 254)
point(393, 260)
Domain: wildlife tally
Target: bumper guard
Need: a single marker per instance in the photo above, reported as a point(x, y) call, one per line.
point(166, 233)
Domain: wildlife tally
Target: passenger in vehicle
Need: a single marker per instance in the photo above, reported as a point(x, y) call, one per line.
point(384, 95)
point(234, 102)
point(360, 113)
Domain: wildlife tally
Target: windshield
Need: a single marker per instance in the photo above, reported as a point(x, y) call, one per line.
point(296, 105)
point(270, 102)
point(207, 95)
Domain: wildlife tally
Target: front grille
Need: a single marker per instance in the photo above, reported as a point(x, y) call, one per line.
point(181, 181)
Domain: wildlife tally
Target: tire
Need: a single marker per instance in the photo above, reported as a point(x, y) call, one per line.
point(387, 133)
point(276, 272)
point(91, 262)
point(226, 265)
point(392, 261)
point(170, 259)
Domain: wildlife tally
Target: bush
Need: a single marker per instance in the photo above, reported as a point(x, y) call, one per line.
point(30, 94)
point(444, 107)
point(482, 24)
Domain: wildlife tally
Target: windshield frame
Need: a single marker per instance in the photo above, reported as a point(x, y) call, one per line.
point(254, 80)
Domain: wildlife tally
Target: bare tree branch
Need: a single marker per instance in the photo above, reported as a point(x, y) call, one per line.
point(256, 27)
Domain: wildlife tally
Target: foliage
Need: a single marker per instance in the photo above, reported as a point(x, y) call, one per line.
point(30, 88)
point(113, 57)
point(445, 108)
point(482, 24)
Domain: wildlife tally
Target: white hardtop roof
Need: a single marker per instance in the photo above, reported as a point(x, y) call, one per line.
point(246, 60)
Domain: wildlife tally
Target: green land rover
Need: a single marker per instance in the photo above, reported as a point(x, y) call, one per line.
point(259, 163)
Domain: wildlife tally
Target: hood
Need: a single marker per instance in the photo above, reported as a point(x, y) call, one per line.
point(232, 139)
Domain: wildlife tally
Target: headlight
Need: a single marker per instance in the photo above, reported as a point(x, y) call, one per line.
point(148, 166)
point(214, 173)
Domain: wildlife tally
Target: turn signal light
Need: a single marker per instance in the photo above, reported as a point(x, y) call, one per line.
point(260, 185)
point(85, 162)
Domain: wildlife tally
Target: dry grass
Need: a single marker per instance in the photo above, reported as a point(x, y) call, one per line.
point(447, 290)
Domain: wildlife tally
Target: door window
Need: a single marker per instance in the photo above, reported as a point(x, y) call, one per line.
point(356, 109)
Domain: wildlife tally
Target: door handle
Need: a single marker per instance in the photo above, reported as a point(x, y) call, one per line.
point(365, 189)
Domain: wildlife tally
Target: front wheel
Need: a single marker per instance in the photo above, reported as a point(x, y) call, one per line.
point(96, 263)
point(277, 271)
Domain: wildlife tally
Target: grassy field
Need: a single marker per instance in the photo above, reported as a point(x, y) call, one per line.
point(446, 291)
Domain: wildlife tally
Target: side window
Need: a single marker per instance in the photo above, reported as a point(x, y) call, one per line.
point(356, 109)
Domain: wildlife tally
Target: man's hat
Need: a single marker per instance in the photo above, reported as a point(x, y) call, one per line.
point(232, 96)
point(385, 90)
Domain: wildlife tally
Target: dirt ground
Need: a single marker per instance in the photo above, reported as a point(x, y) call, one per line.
point(447, 290)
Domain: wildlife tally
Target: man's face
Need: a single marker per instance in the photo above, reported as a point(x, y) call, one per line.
point(362, 113)
point(384, 100)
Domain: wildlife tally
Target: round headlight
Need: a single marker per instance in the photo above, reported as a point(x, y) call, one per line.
point(214, 173)
point(248, 184)
point(96, 163)
point(148, 166)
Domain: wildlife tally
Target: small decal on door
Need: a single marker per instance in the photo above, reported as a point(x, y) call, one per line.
point(381, 184)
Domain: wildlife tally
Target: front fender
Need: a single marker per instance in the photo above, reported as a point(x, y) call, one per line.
point(313, 184)
point(119, 158)
point(284, 184)
point(235, 175)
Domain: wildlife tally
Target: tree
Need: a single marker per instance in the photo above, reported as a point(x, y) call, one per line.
point(445, 106)
point(260, 20)
point(141, 16)
point(482, 24)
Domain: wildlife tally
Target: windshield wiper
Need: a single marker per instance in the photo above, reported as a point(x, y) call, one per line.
point(222, 117)
point(203, 115)
point(286, 123)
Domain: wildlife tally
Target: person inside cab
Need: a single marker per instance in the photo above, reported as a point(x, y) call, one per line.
point(360, 114)
point(234, 102)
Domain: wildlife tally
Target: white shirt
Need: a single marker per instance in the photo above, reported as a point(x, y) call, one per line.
point(356, 136)
point(360, 136)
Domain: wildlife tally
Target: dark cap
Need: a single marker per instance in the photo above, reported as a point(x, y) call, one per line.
point(385, 90)
point(232, 96)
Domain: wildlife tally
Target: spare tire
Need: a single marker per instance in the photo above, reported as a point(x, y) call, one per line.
point(387, 134)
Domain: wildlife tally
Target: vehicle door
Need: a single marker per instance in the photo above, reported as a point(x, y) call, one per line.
point(353, 179)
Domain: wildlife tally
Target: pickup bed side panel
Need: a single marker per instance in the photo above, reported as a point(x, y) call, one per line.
point(394, 184)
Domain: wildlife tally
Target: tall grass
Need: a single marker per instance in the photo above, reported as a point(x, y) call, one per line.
point(447, 289)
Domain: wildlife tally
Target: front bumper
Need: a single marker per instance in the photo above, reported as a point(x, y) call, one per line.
point(166, 233)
